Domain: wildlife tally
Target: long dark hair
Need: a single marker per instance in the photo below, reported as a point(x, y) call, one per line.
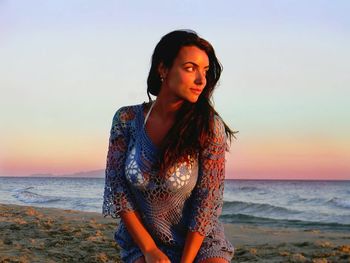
point(194, 121)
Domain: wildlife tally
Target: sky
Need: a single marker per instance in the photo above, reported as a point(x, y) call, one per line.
point(67, 66)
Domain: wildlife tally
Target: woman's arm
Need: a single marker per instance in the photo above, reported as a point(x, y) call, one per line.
point(208, 193)
point(142, 238)
point(117, 195)
point(193, 243)
point(118, 200)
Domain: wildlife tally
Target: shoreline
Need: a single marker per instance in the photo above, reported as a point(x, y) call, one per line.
point(37, 234)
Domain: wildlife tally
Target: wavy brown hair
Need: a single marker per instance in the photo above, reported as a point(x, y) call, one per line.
point(194, 121)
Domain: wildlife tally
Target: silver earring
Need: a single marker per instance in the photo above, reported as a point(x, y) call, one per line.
point(161, 79)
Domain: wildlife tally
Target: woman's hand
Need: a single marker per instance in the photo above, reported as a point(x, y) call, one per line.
point(142, 238)
point(155, 255)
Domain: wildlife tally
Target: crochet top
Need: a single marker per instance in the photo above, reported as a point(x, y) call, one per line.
point(188, 198)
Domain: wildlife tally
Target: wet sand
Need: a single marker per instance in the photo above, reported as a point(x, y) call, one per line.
point(32, 234)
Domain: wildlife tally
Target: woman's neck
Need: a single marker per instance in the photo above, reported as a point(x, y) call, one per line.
point(166, 110)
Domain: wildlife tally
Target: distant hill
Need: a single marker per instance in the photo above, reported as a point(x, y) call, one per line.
point(88, 174)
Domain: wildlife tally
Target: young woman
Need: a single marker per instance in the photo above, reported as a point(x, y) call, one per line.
point(165, 162)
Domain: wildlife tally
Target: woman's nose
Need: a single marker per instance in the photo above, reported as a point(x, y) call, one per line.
point(200, 78)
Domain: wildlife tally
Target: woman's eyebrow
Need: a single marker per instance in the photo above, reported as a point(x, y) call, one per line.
point(206, 67)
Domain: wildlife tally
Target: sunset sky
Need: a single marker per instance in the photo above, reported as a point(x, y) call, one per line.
point(67, 66)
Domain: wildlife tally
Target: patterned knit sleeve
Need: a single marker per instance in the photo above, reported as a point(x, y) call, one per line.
point(208, 193)
point(117, 196)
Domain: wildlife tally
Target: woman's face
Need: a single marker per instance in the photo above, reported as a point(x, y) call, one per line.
point(186, 79)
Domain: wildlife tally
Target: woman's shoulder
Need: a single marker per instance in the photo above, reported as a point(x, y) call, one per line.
point(127, 113)
point(217, 128)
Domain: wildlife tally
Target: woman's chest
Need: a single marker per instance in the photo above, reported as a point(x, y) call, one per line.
point(141, 172)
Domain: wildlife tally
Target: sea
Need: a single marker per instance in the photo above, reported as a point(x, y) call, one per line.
point(323, 205)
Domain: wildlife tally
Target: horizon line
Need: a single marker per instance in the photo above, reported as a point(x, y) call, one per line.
point(233, 179)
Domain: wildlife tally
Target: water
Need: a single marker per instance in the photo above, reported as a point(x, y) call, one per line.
point(304, 204)
point(83, 194)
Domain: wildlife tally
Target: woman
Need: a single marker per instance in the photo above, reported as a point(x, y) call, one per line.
point(165, 162)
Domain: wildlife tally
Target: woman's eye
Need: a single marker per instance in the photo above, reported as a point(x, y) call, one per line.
point(190, 69)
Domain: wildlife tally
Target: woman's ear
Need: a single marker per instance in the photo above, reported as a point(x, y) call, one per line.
point(162, 70)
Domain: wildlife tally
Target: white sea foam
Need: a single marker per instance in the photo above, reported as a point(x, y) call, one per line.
point(345, 203)
point(26, 196)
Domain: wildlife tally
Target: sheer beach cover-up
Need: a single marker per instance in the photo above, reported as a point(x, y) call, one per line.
point(188, 198)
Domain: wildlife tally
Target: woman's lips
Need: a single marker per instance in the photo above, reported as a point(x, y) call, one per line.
point(197, 91)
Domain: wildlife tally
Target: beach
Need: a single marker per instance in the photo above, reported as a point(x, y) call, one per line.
point(36, 234)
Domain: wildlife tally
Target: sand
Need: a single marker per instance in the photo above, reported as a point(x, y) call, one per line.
point(32, 234)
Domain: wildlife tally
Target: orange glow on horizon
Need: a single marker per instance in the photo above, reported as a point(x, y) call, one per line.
point(268, 159)
point(311, 158)
point(47, 154)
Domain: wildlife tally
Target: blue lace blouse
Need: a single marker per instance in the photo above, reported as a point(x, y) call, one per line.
point(188, 198)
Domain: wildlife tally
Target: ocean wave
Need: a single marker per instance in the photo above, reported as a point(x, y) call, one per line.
point(239, 207)
point(264, 221)
point(306, 200)
point(22, 189)
point(248, 188)
point(340, 202)
point(26, 196)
